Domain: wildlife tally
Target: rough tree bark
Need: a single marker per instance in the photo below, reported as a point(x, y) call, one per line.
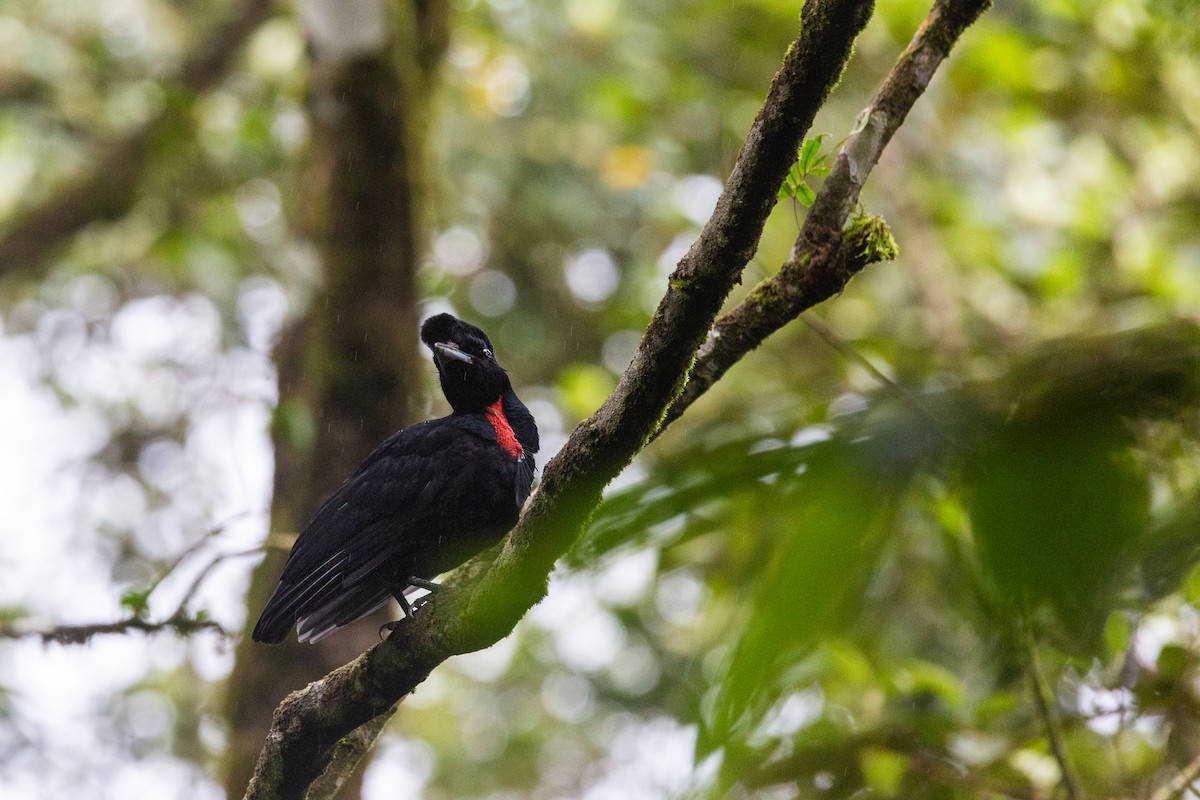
point(346, 370)
point(485, 599)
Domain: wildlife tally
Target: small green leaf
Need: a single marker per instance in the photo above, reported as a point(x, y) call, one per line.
point(791, 182)
point(137, 601)
point(810, 154)
point(926, 677)
point(810, 161)
point(996, 706)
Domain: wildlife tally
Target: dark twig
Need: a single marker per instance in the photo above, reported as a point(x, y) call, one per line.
point(901, 391)
point(1043, 700)
point(194, 586)
point(192, 549)
point(180, 621)
point(180, 624)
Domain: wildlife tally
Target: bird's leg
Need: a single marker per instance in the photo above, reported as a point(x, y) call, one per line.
point(405, 606)
point(409, 608)
point(421, 583)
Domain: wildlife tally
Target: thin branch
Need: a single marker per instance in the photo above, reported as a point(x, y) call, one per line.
point(180, 624)
point(214, 562)
point(1042, 697)
point(180, 621)
point(827, 254)
point(1181, 783)
point(108, 189)
point(901, 391)
point(193, 548)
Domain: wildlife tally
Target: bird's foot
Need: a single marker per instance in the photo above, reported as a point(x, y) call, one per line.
point(410, 607)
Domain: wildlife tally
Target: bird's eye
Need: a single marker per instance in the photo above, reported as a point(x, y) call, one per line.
point(487, 353)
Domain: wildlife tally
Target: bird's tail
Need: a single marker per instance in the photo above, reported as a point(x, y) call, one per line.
point(273, 626)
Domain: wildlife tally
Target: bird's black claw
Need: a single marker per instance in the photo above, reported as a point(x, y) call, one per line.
point(389, 627)
point(409, 607)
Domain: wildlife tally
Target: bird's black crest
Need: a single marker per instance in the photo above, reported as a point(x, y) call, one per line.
point(449, 328)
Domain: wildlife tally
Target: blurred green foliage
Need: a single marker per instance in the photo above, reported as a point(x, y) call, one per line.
point(813, 585)
point(1026, 500)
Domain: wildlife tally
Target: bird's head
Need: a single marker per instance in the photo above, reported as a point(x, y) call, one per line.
point(470, 376)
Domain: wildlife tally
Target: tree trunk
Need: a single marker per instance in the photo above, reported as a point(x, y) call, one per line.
point(349, 370)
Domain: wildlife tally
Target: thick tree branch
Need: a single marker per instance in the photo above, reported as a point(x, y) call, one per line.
point(108, 189)
point(349, 751)
point(467, 617)
point(310, 721)
point(827, 254)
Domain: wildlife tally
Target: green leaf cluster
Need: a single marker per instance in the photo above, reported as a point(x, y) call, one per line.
point(809, 163)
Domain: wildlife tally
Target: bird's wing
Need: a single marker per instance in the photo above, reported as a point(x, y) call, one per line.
point(525, 468)
point(354, 532)
point(392, 485)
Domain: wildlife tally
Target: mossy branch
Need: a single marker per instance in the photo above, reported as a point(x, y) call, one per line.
point(829, 252)
point(467, 616)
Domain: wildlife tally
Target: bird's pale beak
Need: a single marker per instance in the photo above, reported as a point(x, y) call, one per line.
point(447, 352)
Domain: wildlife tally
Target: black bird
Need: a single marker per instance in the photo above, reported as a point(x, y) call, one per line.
point(430, 497)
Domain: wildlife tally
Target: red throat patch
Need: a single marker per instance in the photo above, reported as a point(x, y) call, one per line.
point(505, 437)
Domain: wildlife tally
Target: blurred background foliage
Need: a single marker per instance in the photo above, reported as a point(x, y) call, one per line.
point(950, 565)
